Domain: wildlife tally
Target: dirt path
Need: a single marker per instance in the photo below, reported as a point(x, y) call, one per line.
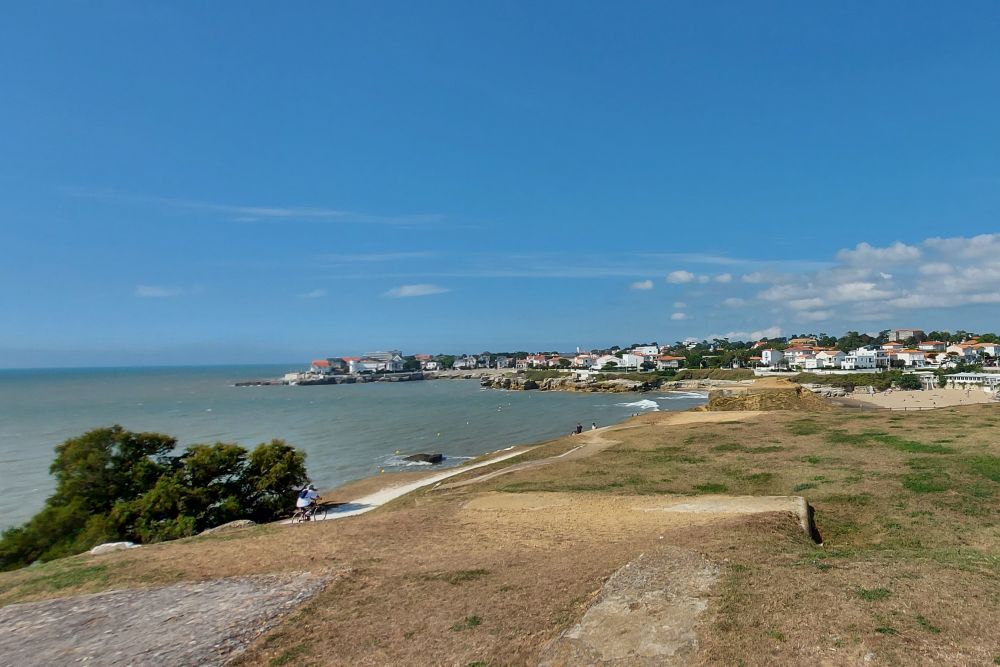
point(186, 624)
point(369, 502)
point(593, 442)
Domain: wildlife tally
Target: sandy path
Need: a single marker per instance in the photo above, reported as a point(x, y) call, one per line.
point(593, 442)
point(369, 502)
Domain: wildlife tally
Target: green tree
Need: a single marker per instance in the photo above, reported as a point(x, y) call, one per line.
point(112, 484)
point(910, 381)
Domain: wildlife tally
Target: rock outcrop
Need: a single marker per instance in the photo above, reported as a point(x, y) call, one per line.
point(566, 383)
point(226, 527)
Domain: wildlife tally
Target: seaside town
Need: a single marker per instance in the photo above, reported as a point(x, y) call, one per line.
point(936, 358)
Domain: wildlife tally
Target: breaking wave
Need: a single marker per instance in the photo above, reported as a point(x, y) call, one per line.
point(644, 404)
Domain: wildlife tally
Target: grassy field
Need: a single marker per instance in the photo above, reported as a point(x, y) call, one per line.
point(909, 572)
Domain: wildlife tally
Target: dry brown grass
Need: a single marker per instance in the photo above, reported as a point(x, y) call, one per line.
point(906, 504)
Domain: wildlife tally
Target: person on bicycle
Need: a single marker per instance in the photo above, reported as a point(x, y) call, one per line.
point(307, 498)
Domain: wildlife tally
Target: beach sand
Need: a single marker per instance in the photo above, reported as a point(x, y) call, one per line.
point(929, 398)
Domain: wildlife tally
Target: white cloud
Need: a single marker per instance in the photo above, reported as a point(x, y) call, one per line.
point(642, 285)
point(680, 277)
point(734, 302)
point(703, 279)
point(724, 278)
point(815, 315)
point(769, 332)
point(156, 291)
point(962, 247)
point(934, 273)
point(865, 254)
point(423, 289)
point(679, 316)
point(757, 277)
point(313, 294)
point(936, 268)
point(680, 305)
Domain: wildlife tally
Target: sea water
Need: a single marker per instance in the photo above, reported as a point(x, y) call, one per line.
point(347, 431)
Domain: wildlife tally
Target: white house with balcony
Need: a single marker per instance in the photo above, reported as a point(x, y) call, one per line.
point(830, 358)
point(912, 358)
point(865, 359)
point(772, 358)
point(646, 350)
point(966, 352)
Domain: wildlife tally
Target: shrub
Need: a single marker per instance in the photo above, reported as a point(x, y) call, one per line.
point(113, 484)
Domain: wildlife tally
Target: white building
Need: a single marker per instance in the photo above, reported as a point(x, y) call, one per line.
point(905, 334)
point(988, 381)
point(865, 359)
point(933, 346)
point(646, 350)
point(965, 351)
point(912, 358)
point(667, 361)
point(830, 358)
point(772, 357)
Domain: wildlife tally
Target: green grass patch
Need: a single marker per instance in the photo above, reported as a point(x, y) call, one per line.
point(986, 465)
point(804, 427)
point(868, 438)
point(456, 577)
point(734, 447)
point(855, 499)
point(927, 625)
point(466, 624)
point(288, 655)
point(711, 487)
point(873, 594)
point(886, 630)
point(803, 486)
point(61, 574)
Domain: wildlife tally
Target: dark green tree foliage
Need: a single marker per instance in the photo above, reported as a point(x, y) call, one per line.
point(113, 484)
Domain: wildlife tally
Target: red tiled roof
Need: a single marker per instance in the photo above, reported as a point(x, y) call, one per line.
point(320, 362)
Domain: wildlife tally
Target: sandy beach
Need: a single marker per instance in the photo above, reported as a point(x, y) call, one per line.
point(930, 398)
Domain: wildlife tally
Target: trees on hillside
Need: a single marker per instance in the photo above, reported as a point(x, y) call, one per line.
point(114, 484)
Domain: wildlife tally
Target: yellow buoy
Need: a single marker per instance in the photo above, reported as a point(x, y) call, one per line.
point(382, 471)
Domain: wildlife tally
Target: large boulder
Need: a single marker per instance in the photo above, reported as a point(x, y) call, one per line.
point(109, 547)
point(424, 457)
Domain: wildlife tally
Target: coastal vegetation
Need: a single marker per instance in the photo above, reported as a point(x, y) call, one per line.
point(905, 504)
point(113, 484)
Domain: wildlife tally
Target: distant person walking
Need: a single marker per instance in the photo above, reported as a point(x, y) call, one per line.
point(593, 426)
point(579, 429)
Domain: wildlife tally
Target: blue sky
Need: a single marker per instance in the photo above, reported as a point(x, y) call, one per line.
point(237, 182)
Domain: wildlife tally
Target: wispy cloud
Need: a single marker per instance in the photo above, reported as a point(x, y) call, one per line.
point(253, 213)
point(423, 289)
point(642, 285)
point(679, 316)
point(318, 293)
point(157, 291)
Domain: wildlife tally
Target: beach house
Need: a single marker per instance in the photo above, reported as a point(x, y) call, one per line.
point(320, 367)
point(911, 358)
point(966, 352)
point(933, 346)
point(772, 358)
point(666, 362)
point(830, 358)
point(865, 358)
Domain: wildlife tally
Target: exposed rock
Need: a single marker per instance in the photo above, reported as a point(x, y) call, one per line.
point(108, 547)
point(568, 383)
point(647, 614)
point(425, 457)
point(232, 525)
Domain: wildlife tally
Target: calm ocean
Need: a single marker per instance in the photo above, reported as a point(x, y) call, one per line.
point(348, 431)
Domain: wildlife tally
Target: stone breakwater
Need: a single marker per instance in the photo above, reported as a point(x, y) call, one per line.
point(517, 383)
